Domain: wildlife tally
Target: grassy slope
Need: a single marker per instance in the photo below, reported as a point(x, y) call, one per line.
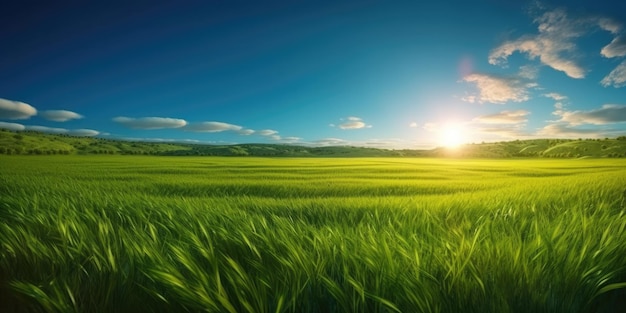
point(123, 234)
point(39, 143)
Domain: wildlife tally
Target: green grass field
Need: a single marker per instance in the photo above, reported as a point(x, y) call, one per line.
point(185, 234)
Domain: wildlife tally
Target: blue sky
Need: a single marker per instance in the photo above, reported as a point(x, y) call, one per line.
point(367, 73)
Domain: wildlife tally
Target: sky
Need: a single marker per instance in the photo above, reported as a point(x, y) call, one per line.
point(387, 74)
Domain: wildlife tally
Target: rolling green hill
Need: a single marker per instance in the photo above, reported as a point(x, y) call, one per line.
point(550, 148)
point(36, 143)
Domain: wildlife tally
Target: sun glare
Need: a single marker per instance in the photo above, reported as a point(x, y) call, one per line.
point(451, 135)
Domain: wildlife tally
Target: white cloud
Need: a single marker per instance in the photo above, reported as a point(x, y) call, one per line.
point(554, 45)
point(267, 132)
point(15, 110)
point(555, 96)
point(413, 125)
point(617, 77)
point(83, 132)
point(12, 126)
point(246, 132)
point(617, 48)
point(610, 25)
point(212, 127)
point(60, 115)
point(353, 123)
point(607, 114)
point(494, 89)
point(528, 72)
point(150, 122)
point(504, 117)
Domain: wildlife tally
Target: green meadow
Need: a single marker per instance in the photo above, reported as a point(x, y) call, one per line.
point(117, 233)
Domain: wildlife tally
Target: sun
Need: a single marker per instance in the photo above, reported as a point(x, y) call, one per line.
point(452, 135)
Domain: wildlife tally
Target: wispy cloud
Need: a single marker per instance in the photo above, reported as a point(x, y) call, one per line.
point(554, 44)
point(16, 110)
point(352, 122)
point(566, 131)
point(413, 125)
point(150, 122)
point(267, 132)
point(528, 72)
point(617, 47)
point(246, 132)
point(555, 96)
point(504, 117)
point(12, 126)
point(617, 77)
point(609, 25)
point(212, 127)
point(495, 89)
point(60, 115)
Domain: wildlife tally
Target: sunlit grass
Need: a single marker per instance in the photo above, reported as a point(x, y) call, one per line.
point(86, 234)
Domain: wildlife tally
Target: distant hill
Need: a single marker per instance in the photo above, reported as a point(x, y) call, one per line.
point(547, 148)
point(36, 143)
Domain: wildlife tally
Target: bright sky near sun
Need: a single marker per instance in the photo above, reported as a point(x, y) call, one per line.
point(392, 74)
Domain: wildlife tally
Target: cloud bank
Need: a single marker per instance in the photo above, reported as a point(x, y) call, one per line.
point(607, 114)
point(12, 126)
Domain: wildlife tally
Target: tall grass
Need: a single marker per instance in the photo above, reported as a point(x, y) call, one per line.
point(113, 234)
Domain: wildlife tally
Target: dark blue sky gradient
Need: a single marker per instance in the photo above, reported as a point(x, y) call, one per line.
point(294, 67)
